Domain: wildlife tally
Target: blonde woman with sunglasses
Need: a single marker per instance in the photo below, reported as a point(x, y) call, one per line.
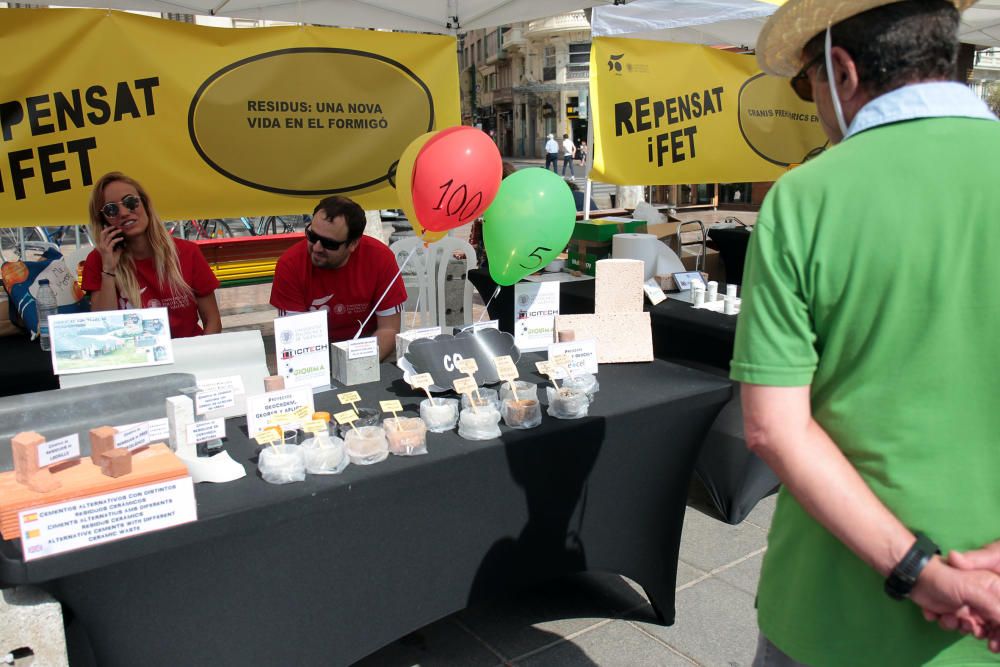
point(137, 264)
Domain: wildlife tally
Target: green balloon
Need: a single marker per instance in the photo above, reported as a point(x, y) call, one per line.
point(528, 224)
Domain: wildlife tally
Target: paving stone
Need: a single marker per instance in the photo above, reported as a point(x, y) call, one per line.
point(707, 543)
point(716, 624)
point(519, 624)
point(443, 644)
point(745, 575)
point(763, 512)
point(611, 645)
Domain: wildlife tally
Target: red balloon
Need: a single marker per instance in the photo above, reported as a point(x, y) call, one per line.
point(455, 177)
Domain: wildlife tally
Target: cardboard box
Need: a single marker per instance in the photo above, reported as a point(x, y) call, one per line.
point(584, 255)
point(603, 229)
point(712, 265)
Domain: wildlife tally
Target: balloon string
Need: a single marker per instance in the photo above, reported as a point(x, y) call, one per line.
point(416, 310)
point(486, 309)
point(391, 283)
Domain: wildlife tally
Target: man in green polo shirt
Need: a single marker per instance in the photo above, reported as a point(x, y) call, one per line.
point(867, 347)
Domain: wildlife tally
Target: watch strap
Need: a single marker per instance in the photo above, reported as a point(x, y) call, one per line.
point(900, 582)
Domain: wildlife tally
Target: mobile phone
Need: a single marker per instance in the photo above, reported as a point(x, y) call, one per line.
point(118, 243)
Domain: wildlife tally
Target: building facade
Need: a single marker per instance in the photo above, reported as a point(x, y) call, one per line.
point(527, 80)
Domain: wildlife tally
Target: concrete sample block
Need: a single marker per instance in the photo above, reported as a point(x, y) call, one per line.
point(102, 439)
point(31, 620)
point(25, 448)
point(621, 337)
point(43, 481)
point(274, 383)
point(618, 286)
point(350, 372)
point(116, 462)
point(180, 413)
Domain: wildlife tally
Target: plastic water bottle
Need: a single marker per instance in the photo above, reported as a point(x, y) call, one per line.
point(45, 302)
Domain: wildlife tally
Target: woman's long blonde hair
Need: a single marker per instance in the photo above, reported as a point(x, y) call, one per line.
point(168, 269)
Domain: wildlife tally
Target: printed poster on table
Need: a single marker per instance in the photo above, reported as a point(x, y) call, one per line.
point(109, 340)
point(535, 308)
point(302, 349)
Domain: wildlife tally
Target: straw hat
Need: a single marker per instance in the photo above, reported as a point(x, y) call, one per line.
point(780, 44)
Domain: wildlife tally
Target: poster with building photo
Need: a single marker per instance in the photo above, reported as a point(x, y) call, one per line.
point(108, 340)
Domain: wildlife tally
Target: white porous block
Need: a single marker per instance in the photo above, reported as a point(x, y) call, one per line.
point(621, 337)
point(618, 287)
point(31, 620)
point(180, 413)
point(349, 372)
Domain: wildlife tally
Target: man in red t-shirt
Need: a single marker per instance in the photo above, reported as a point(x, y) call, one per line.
point(338, 269)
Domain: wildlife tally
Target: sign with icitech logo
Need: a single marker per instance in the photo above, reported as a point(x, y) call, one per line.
point(302, 349)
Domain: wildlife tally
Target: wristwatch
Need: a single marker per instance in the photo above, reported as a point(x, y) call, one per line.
point(903, 577)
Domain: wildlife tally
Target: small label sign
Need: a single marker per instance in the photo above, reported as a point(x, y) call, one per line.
point(653, 291)
point(421, 381)
point(210, 429)
point(390, 406)
point(315, 426)
point(467, 366)
point(54, 451)
point(465, 385)
point(267, 436)
point(302, 413)
point(349, 397)
point(506, 368)
point(560, 360)
point(582, 354)
point(346, 417)
point(132, 437)
point(362, 347)
point(210, 401)
point(233, 383)
point(544, 367)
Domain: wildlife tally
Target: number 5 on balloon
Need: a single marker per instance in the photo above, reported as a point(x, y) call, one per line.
point(538, 258)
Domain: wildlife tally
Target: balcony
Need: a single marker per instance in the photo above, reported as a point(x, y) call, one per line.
point(577, 73)
point(514, 38)
point(503, 96)
point(559, 23)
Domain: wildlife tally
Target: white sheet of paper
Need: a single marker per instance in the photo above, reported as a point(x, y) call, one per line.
point(535, 308)
point(302, 349)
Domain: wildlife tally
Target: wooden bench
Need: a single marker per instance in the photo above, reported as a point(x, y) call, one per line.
point(246, 260)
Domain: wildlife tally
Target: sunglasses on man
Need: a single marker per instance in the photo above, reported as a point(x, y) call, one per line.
point(328, 244)
point(800, 82)
point(113, 208)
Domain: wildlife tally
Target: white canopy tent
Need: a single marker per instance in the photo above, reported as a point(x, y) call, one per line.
point(436, 16)
point(737, 22)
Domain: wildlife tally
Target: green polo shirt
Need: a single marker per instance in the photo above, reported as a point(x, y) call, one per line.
point(873, 277)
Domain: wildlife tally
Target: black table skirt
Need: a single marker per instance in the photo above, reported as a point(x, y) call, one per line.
point(735, 478)
point(24, 366)
point(326, 571)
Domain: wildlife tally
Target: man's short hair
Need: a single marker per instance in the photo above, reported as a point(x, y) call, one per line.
point(354, 215)
point(897, 44)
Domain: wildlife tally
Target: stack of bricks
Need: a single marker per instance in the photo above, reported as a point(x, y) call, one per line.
point(112, 461)
point(26, 470)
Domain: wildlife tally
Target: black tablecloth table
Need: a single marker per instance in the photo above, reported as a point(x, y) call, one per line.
point(735, 478)
point(24, 366)
point(325, 571)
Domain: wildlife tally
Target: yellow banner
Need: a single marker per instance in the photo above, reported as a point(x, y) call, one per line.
point(680, 113)
point(214, 122)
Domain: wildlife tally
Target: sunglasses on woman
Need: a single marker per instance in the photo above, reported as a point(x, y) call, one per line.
point(328, 244)
point(113, 208)
point(800, 82)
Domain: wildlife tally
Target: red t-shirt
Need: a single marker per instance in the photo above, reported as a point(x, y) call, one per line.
point(183, 310)
point(347, 294)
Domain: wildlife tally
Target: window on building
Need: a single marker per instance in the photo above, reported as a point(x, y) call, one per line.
point(479, 51)
point(579, 61)
point(549, 64)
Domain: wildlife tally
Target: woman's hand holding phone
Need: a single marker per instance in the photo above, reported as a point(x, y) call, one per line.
point(110, 245)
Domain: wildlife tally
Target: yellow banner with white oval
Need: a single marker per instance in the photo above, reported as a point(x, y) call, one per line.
point(214, 122)
point(681, 113)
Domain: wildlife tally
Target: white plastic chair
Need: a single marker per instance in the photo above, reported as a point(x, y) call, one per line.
point(425, 277)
